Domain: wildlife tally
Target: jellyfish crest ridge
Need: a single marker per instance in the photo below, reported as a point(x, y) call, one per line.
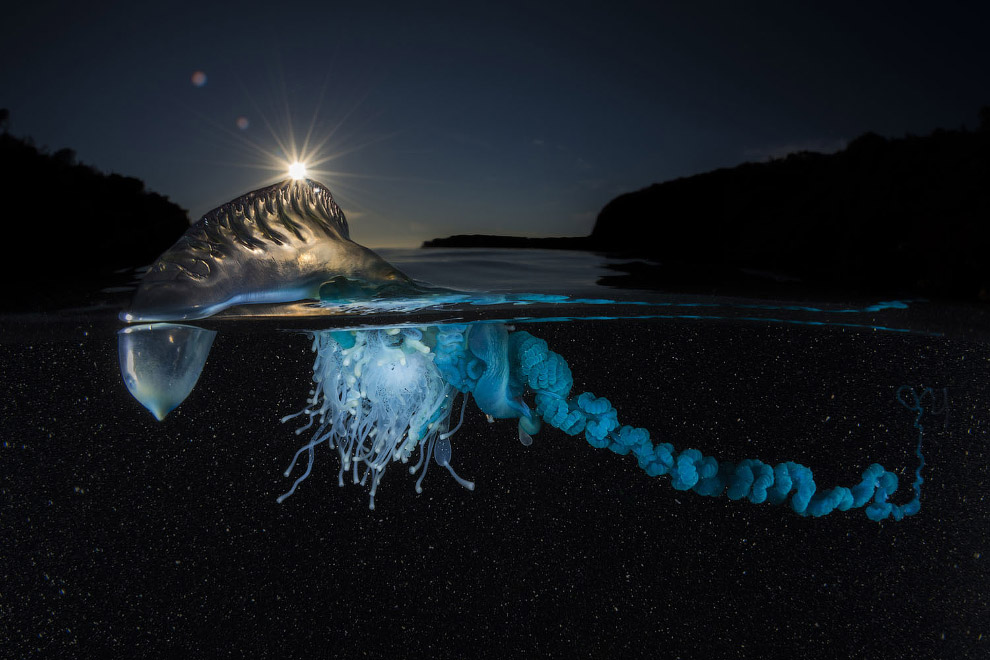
point(276, 244)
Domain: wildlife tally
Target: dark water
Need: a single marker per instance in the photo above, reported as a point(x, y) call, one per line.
point(125, 535)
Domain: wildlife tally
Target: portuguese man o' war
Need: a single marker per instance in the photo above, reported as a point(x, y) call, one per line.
point(283, 243)
point(381, 395)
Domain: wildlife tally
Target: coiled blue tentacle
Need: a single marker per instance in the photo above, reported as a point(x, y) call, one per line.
point(548, 375)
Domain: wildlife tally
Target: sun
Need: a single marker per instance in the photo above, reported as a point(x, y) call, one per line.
point(297, 170)
point(270, 141)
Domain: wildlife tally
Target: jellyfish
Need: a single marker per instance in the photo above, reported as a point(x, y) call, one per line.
point(284, 243)
point(379, 394)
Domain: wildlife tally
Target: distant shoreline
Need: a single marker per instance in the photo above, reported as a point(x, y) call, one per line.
point(494, 241)
point(884, 214)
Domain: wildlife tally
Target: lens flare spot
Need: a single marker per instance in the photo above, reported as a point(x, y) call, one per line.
point(198, 78)
point(242, 123)
point(297, 170)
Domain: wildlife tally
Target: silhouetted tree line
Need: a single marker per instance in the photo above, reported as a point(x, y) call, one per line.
point(906, 215)
point(909, 214)
point(68, 227)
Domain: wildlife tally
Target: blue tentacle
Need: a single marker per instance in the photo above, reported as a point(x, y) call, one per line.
point(548, 375)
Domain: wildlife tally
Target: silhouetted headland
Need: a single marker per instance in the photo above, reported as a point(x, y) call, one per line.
point(883, 216)
point(69, 228)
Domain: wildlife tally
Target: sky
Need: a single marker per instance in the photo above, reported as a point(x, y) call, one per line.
point(519, 118)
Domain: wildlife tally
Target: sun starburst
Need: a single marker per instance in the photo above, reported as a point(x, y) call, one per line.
point(297, 170)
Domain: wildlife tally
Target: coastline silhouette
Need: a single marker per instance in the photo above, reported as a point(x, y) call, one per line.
point(75, 227)
point(884, 215)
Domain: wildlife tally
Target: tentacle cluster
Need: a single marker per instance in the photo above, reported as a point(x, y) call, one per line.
point(378, 395)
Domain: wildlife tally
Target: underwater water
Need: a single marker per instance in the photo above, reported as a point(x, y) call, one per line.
point(127, 534)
